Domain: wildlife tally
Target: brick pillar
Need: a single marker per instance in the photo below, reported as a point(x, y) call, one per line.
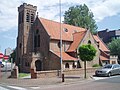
point(14, 73)
point(33, 74)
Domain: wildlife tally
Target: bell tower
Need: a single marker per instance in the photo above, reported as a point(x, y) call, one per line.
point(26, 17)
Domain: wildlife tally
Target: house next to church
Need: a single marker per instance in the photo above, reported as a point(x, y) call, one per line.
point(38, 43)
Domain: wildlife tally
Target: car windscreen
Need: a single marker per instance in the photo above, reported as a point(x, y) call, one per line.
point(107, 66)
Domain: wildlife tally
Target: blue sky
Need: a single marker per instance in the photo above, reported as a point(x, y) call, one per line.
point(106, 13)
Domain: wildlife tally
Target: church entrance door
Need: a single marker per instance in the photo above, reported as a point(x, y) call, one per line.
point(38, 65)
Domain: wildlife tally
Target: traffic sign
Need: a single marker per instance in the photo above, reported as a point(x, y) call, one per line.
point(1, 55)
point(6, 57)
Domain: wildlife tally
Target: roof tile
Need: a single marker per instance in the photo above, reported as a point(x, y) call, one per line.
point(77, 39)
point(53, 29)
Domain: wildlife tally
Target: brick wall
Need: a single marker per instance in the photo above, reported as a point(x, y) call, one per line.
point(55, 73)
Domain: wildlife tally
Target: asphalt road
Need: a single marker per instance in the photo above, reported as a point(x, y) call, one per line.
point(103, 83)
point(112, 83)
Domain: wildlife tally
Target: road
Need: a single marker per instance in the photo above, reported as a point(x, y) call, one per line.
point(112, 83)
point(99, 83)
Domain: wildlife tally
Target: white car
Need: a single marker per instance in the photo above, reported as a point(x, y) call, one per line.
point(7, 66)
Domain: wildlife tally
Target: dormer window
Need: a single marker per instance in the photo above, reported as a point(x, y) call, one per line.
point(65, 30)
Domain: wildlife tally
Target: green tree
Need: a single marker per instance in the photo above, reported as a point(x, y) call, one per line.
point(80, 16)
point(114, 47)
point(13, 56)
point(86, 53)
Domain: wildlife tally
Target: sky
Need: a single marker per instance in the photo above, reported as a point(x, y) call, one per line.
point(106, 13)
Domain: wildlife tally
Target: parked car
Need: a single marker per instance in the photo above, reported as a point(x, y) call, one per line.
point(108, 70)
point(7, 66)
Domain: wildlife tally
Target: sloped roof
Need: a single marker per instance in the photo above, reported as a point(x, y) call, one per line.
point(103, 58)
point(102, 45)
point(77, 39)
point(53, 29)
point(65, 56)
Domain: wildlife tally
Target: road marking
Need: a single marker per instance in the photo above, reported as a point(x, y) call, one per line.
point(98, 78)
point(18, 88)
point(2, 88)
point(35, 87)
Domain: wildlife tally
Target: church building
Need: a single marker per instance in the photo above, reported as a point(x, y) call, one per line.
point(38, 43)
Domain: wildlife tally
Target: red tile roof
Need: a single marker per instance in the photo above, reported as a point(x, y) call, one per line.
point(53, 29)
point(102, 45)
point(103, 58)
point(77, 39)
point(65, 56)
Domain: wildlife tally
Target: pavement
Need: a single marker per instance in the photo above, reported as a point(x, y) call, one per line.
point(28, 82)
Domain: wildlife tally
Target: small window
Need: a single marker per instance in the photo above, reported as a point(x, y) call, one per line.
point(65, 29)
point(89, 42)
point(66, 65)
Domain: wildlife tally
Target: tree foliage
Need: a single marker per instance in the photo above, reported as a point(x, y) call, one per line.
point(13, 56)
point(86, 53)
point(80, 16)
point(114, 47)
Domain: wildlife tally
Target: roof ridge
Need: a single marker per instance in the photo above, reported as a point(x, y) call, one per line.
point(61, 23)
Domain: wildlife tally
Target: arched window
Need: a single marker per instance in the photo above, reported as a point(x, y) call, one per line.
point(27, 17)
point(89, 42)
point(66, 65)
point(38, 65)
point(32, 18)
point(37, 39)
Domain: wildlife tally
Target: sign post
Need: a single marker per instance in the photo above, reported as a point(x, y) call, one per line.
point(6, 57)
point(1, 57)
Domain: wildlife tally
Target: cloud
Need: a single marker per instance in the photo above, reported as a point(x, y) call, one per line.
point(105, 8)
point(50, 9)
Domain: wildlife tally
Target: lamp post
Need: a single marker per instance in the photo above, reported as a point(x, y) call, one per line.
point(62, 75)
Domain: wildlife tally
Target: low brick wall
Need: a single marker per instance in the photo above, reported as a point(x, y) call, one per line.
point(55, 73)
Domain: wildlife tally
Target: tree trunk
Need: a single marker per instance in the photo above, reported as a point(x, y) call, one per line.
point(85, 69)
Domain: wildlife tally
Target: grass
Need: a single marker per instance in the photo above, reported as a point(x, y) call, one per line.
point(23, 74)
point(96, 65)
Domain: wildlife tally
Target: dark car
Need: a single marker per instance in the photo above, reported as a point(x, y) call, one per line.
point(108, 70)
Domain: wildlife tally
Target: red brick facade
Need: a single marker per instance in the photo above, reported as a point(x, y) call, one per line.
point(38, 43)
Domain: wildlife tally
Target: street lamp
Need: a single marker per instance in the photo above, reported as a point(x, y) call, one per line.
point(62, 75)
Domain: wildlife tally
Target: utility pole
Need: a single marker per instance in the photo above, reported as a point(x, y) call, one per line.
point(62, 75)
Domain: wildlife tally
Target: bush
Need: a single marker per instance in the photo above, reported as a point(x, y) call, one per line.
point(96, 65)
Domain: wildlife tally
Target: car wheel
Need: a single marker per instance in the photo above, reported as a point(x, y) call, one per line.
point(2, 65)
point(109, 74)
